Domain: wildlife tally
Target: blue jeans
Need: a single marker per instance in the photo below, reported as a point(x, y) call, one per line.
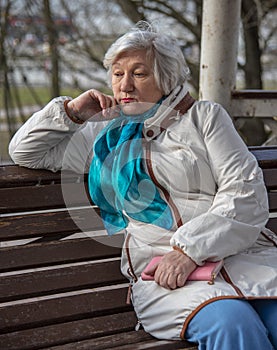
point(233, 324)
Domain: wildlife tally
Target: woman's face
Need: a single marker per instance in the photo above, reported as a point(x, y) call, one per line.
point(133, 82)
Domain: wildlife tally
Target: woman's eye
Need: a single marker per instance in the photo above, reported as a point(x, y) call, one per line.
point(117, 74)
point(139, 74)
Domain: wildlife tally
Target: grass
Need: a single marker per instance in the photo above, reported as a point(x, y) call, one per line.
point(43, 94)
point(26, 99)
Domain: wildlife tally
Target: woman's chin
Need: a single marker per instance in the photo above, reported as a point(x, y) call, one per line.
point(135, 108)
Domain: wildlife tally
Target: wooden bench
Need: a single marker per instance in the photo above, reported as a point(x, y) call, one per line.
point(60, 280)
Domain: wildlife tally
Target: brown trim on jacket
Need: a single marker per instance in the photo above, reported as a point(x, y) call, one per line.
point(131, 270)
point(195, 311)
point(182, 107)
point(172, 205)
point(227, 278)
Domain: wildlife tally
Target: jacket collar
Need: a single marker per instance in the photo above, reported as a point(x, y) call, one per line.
point(172, 108)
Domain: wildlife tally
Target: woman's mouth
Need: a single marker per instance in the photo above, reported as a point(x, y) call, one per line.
point(127, 100)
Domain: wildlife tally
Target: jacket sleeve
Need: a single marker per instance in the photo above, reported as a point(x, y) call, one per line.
point(240, 207)
point(50, 140)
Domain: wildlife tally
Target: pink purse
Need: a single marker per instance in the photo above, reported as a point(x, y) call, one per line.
point(207, 272)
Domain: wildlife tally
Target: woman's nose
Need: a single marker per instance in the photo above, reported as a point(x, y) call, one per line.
point(127, 84)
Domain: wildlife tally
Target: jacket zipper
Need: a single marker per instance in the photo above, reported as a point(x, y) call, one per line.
point(130, 269)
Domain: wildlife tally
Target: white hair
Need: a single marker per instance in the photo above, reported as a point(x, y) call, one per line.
point(169, 65)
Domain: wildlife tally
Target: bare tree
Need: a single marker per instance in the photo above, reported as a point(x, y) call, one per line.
point(4, 67)
point(185, 17)
point(252, 67)
point(53, 40)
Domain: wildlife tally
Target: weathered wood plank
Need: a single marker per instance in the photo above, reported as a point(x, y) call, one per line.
point(69, 332)
point(272, 199)
point(13, 175)
point(158, 345)
point(270, 178)
point(126, 341)
point(266, 156)
point(50, 253)
point(18, 199)
point(60, 279)
point(65, 307)
point(272, 224)
point(50, 223)
point(254, 94)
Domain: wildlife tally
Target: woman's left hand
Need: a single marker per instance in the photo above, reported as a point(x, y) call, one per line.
point(174, 269)
point(92, 102)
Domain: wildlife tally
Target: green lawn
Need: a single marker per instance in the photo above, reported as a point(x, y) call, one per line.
point(43, 95)
point(26, 99)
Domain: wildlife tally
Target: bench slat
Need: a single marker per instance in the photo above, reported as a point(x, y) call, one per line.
point(270, 178)
point(18, 199)
point(128, 341)
point(18, 176)
point(157, 345)
point(272, 199)
point(13, 175)
point(69, 332)
point(130, 338)
point(272, 224)
point(50, 253)
point(266, 156)
point(61, 279)
point(65, 307)
point(59, 222)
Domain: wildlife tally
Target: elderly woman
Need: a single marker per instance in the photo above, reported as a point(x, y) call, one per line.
point(174, 176)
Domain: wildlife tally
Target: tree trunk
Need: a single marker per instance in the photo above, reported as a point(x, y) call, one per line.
point(252, 68)
point(252, 129)
point(131, 9)
point(4, 69)
point(53, 44)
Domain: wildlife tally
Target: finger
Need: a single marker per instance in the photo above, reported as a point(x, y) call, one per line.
point(108, 102)
point(108, 105)
point(172, 282)
point(162, 279)
point(114, 102)
point(181, 280)
point(152, 269)
point(98, 96)
point(108, 110)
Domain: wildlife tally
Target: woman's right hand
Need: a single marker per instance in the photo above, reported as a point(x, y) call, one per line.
point(90, 103)
point(173, 270)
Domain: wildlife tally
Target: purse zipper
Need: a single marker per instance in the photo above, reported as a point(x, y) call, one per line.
point(215, 273)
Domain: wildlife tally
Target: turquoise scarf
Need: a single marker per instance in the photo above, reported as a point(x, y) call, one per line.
point(118, 183)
